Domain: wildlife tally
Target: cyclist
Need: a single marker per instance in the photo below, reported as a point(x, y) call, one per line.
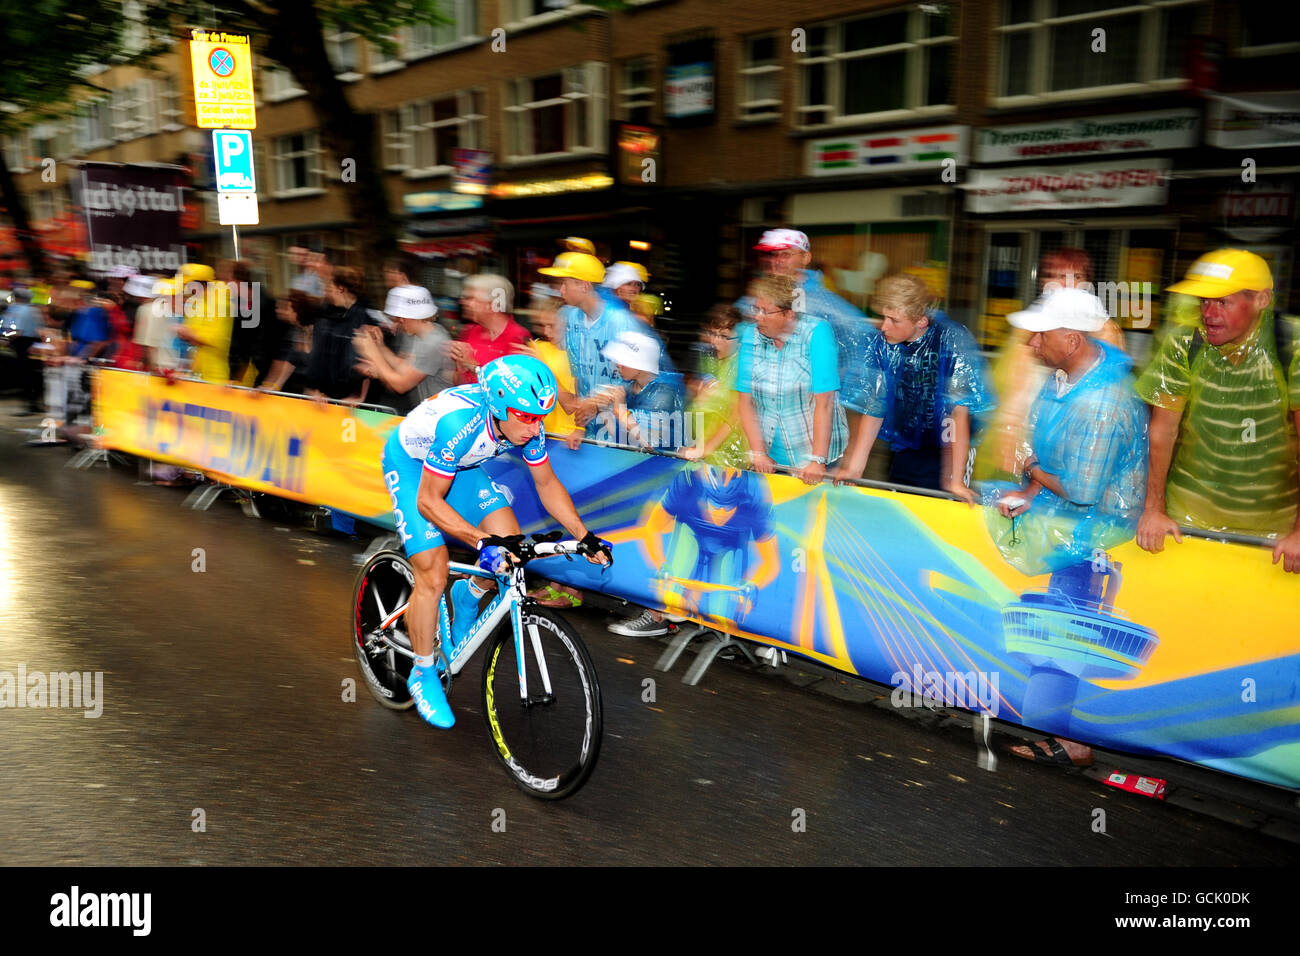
point(431, 469)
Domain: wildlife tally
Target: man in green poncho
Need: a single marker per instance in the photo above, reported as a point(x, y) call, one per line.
point(1225, 412)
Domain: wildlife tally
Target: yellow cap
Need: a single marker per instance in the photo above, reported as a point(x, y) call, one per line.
point(578, 244)
point(196, 272)
point(164, 287)
point(640, 270)
point(81, 284)
point(1224, 272)
point(575, 265)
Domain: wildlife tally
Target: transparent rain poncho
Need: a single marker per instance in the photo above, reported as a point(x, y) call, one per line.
point(1234, 463)
point(913, 387)
point(1094, 440)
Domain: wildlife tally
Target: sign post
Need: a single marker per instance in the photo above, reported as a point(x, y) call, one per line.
point(222, 65)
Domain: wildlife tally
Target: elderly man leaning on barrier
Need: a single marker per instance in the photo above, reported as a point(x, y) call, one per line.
point(1084, 470)
point(1225, 397)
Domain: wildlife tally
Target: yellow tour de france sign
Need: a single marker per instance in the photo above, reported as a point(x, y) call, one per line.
point(223, 80)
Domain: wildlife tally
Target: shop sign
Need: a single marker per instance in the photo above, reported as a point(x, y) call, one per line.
point(471, 171)
point(1139, 182)
point(1246, 120)
point(638, 154)
point(1089, 136)
point(888, 152)
point(440, 202)
point(688, 90)
point(1258, 213)
point(548, 187)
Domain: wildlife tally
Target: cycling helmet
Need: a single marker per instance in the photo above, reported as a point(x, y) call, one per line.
point(520, 382)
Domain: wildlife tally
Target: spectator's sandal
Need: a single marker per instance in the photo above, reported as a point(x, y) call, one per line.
point(1058, 756)
point(550, 596)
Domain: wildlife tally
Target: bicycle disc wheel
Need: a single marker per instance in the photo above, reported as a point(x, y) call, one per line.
point(548, 742)
point(384, 584)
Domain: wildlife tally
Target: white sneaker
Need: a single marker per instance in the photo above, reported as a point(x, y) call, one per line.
point(772, 656)
point(643, 625)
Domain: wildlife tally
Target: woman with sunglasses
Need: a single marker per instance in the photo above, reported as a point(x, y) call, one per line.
point(431, 470)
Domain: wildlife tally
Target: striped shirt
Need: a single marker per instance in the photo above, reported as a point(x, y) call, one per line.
point(1234, 465)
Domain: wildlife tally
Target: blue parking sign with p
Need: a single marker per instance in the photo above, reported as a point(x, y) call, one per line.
point(232, 152)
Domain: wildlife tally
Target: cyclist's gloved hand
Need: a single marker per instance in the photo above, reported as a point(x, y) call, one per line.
point(593, 547)
point(494, 559)
point(495, 551)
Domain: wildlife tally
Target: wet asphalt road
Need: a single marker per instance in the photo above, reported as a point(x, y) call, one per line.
point(223, 698)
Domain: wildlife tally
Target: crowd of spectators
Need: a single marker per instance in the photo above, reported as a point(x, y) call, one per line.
point(790, 378)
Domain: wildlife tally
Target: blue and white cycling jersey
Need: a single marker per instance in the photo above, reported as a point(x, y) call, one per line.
point(453, 431)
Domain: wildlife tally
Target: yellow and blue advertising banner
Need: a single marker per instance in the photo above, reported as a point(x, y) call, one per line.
point(1193, 653)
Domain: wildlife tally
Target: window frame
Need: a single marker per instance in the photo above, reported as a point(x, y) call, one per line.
point(636, 97)
point(748, 70)
point(1153, 15)
point(915, 46)
point(406, 117)
point(595, 91)
point(280, 160)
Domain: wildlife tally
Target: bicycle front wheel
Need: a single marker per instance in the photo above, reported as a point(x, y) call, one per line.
point(544, 713)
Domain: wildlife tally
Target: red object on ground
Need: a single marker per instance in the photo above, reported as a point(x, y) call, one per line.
point(1147, 786)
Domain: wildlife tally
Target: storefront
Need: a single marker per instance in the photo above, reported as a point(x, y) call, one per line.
point(859, 235)
point(1083, 191)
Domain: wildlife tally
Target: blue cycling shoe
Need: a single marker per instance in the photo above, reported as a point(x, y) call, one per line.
point(464, 611)
point(430, 699)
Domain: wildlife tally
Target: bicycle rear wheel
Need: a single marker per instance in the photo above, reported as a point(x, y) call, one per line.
point(384, 584)
point(548, 741)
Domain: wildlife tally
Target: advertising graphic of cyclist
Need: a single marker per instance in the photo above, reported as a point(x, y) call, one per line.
point(431, 470)
point(717, 520)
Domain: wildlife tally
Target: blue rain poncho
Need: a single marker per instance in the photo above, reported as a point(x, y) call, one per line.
point(914, 386)
point(1094, 440)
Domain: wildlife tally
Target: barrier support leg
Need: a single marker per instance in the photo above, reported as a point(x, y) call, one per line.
point(675, 647)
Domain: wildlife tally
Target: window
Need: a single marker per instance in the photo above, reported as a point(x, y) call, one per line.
point(419, 137)
point(50, 140)
point(278, 84)
point(526, 9)
point(899, 62)
point(1264, 33)
point(296, 163)
point(344, 50)
point(135, 30)
point(556, 113)
point(133, 111)
point(1129, 272)
point(94, 130)
point(47, 204)
point(636, 95)
point(760, 78)
point(17, 152)
point(170, 112)
point(1052, 48)
point(425, 39)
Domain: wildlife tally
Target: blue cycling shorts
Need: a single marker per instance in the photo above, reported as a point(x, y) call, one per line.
point(473, 495)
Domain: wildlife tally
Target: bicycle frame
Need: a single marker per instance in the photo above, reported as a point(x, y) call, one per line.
point(508, 600)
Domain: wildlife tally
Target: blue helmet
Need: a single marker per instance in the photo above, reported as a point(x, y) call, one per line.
point(520, 382)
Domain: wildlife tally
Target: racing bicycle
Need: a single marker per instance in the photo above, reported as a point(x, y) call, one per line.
point(541, 698)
